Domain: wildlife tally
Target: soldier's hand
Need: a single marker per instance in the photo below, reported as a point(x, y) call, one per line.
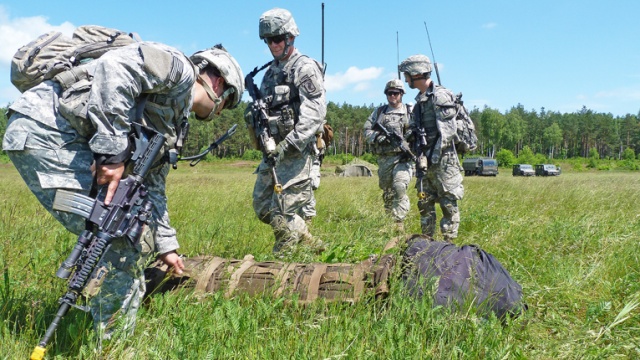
point(409, 136)
point(109, 174)
point(381, 139)
point(173, 260)
point(280, 150)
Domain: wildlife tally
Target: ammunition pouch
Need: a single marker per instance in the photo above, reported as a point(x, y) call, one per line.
point(281, 122)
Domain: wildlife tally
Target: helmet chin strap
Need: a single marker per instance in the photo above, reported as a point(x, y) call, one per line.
point(285, 51)
point(217, 100)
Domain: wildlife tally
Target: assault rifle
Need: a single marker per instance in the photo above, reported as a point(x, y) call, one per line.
point(260, 120)
point(125, 216)
point(396, 140)
point(422, 163)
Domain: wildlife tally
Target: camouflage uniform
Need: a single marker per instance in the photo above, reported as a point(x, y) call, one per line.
point(394, 168)
point(442, 181)
point(294, 83)
point(303, 77)
point(54, 152)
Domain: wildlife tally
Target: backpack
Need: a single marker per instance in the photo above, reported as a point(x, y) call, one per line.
point(53, 53)
point(456, 276)
point(467, 138)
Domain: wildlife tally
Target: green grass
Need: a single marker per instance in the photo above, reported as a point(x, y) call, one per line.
point(570, 241)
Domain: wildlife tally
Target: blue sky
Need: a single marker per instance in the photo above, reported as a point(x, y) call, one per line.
point(560, 55)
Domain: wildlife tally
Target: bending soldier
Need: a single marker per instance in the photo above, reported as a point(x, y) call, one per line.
point(144, 80)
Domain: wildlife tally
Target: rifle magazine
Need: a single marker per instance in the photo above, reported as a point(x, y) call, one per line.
point(74, 203)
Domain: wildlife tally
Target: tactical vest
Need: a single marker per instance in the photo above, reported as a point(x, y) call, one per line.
point(284, 97)
point(428, 120)
point(394, 122)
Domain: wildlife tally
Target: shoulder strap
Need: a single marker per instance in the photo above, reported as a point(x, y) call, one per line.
point(409, 108)
point(381, 109)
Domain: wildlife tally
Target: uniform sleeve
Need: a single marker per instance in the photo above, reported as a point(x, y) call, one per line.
point(120, 77)
point(370, 135)
point(313, 108)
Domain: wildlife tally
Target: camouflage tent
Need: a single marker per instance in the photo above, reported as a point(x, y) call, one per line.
point(356, 167)
point(353, 170)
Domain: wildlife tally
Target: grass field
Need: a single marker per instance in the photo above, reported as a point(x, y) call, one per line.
point(570, 241)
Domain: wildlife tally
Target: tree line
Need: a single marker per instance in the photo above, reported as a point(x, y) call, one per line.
point(555, 135)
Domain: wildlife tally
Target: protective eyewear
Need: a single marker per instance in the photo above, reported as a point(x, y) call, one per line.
point(393, 93)
point(275, 39)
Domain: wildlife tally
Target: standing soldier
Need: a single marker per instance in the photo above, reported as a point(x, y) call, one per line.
point(294, 88)
point(434, 118)
point(394, 166)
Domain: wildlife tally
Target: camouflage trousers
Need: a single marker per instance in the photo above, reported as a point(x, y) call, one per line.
point(394, 176)
point(284, 211)
point(308, 211)
point(442, 183)
point(48, 159)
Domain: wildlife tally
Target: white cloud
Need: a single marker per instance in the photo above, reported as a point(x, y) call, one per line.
point(624, 94)
point(355, 78)
point(490, 25)
point(20, 31)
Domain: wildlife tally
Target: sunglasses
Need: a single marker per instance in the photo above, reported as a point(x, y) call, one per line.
point(393, 93)
point(275, 39)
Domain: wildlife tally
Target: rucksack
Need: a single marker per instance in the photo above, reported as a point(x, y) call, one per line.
point(53, 53)
point(467, 138)
point(454, 276)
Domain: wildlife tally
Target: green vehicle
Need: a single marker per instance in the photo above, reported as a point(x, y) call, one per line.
point(547, 170)
point(480, 167)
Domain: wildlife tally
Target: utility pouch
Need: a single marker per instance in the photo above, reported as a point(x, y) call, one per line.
point(287, 120)
point(73, 107)
point(273, 123)
point(281, 96)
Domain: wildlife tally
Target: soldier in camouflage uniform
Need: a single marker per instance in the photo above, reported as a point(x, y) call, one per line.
point(394, 167)
point(52, 151)
point(442, 180)
point(295, 86)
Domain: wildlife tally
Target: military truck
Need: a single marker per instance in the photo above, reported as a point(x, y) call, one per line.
point(480, 167)
point(523, 170)
point(547, 170)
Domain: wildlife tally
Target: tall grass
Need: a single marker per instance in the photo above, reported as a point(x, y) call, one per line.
point(570, 241)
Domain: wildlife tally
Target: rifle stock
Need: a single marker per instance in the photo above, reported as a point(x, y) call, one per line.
point(119, 218)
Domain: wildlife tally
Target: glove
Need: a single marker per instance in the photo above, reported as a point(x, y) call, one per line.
point(381, 139)
point(281, 148)
point(409, 136)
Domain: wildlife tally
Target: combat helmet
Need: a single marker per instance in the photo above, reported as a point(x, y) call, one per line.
point(395, 84)
point(276, 22)
point(415, 65)
point(219, 58)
